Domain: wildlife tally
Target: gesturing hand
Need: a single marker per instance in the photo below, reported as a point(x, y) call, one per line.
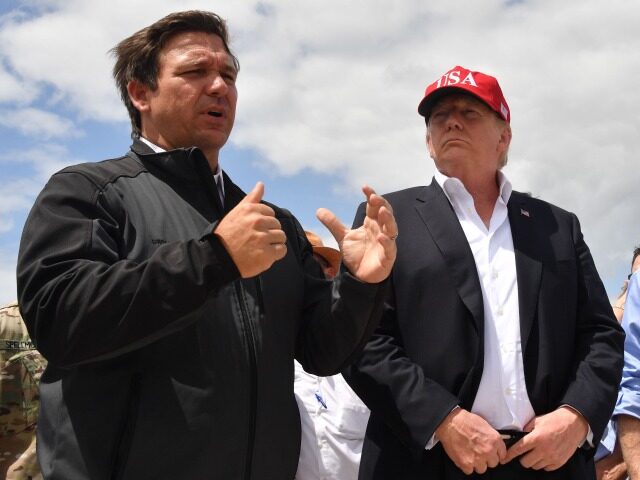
point(470, 442)
point(552, 440)
point(370, 250)
point(252, 235)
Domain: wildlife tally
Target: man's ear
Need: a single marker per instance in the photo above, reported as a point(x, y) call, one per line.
point(505, 137)
point(139, 93)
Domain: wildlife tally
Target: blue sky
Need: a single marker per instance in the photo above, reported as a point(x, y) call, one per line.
point(328, 96)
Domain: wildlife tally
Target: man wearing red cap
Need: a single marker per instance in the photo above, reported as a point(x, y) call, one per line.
point(498, 355)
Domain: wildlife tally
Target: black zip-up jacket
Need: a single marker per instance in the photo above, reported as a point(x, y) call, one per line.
point(163, 362)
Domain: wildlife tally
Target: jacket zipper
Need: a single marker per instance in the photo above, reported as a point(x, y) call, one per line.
point(249, 336)
point(123, 445)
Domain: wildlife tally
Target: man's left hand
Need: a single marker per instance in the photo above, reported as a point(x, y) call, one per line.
point(369, 251)
point(552, 440)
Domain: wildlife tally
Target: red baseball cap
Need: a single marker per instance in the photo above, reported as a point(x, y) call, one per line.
point(485, 87)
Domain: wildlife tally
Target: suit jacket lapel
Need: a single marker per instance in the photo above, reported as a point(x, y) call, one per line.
point(437, 214)
point(528, 267)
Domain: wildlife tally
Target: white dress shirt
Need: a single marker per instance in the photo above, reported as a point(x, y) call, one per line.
point(334, 421)
point(502, 398)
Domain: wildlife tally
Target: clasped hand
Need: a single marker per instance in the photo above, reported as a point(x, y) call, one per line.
point(474, 445)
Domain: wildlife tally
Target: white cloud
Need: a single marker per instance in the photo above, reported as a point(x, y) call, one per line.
point(44, 159)
point(38, 123)
point(334, 86)
point(13, 89)
point(7, 282)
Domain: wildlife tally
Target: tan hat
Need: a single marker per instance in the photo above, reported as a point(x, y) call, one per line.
point(331, 255)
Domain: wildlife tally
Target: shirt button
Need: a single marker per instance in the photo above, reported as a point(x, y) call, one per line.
point(499, 311)
point(494, 274)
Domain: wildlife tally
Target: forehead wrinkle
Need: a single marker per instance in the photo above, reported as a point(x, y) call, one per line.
point(202, 57)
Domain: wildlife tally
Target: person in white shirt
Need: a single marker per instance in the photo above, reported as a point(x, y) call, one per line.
point(332, 417)
point(498, 355)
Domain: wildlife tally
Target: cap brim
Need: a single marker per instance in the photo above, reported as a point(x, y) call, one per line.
point(427, 103)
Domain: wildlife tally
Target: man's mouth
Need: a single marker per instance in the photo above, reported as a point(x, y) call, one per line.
point(213, 113)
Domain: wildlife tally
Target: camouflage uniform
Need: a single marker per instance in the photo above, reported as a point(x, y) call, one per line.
point(20, 369)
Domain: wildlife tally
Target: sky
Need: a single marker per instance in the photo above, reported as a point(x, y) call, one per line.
point(328, 95)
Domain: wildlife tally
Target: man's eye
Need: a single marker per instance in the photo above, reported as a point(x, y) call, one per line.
point(229, 78)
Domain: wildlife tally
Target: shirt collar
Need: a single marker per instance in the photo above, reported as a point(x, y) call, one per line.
point(451, 186)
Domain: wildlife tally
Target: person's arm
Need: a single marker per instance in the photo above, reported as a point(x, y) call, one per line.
point(618, 304)
point(334, 328)
point(83, 300)
point(599, 344)
point(629, 437)
point(591, 394)
point(393, 386)
point(627, 411)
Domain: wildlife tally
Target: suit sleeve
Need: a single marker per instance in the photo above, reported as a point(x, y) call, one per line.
point(393, 386)
point(599, 344)
point(338, 317)
point(83, 300)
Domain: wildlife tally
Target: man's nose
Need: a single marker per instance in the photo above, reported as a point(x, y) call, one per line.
point(217, 85)
point(453, 120)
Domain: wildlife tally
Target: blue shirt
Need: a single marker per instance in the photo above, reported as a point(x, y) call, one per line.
point(629, 395)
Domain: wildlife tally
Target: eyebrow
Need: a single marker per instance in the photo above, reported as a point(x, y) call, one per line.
point(206, 61)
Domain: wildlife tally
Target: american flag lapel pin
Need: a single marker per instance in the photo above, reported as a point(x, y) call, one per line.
point(525, 213)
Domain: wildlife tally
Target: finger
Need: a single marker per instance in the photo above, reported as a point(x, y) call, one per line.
point(493, 460)
point(335, 226)
point(388, 222)
point(533, 459)
point(255, 195)
point(368, 191)
point(374, 202)
point(502, 451)
point(530, 426)
point(519, 448)
point(279, 250)
point(540, 464)
point(481, 468)
point(275, 237)
point(266, 222)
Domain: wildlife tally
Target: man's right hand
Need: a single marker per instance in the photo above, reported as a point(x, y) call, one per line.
point(470, 442)
point(252, 235)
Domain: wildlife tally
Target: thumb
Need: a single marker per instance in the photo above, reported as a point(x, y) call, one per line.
point(530, 426)
point(255, 195)
point(335, 226)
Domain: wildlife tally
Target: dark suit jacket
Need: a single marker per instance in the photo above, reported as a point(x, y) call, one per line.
point(426, 357)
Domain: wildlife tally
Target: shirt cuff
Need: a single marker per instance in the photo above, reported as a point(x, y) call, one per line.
point(433, 441)
point(588, 441)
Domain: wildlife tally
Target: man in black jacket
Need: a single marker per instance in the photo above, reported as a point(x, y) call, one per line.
point(171, 305)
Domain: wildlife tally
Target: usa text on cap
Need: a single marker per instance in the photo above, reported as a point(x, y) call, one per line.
point(485, 87)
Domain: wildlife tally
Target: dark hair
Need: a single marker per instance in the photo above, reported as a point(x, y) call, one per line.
point(137, 55)
point(636, 253)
